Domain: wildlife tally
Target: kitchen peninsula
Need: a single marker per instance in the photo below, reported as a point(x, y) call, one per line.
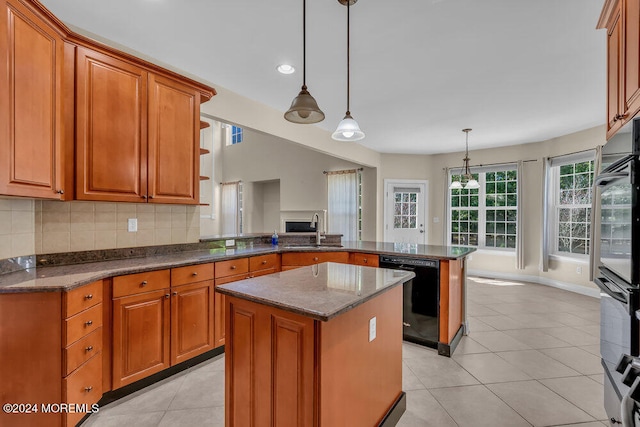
point(71, 324)
point(315, 346)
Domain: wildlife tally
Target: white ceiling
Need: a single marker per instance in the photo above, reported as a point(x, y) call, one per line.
point(515, 71)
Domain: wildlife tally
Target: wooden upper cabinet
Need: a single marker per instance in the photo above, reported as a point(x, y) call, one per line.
point(34, 143)
point(111, 128)
point(174, 142)
point(621, 18)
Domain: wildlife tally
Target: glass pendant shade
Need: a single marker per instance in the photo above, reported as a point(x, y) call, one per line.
point(472, 184)
point(455, 185)
point(304, 109)
point(348, 130)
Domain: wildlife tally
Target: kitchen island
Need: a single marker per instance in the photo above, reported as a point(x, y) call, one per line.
point(316, 346)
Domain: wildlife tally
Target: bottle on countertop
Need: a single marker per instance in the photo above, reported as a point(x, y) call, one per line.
point(274, 238)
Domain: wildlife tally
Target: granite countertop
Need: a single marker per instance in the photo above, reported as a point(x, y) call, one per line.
point(67, 277)
point(321, 291)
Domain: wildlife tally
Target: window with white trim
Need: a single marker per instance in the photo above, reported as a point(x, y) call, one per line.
point(485, 217)
point(570, 186)
point(234, 134)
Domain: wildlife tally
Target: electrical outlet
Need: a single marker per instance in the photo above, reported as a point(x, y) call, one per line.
point(578, 270)
point(132, 225)
point(372, 329)
point(230, 242)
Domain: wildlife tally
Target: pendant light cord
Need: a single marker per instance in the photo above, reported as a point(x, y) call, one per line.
point(304, 44)
point(348, 56)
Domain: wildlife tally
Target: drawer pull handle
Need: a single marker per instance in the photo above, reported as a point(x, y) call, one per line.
point(315, 258)
point(233, 267)
point(167, 295)
point(88, 389)
point(89, 322)
point(144, 283)
point(175, 293)
point(195, 273)
point(90, 296)
point(264, 262)
point(88, 349)
point(365, 260)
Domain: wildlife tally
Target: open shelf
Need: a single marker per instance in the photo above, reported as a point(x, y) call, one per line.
point(204, 151)
point(204, 125)
point(204, 178)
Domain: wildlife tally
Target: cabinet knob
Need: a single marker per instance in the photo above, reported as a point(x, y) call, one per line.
point(175, 293)
point(315, 258)
point(151, 197)
point(195, 273)
point(264, 262)
point(60, 191)
point(90, 296)
point(144, 196)
point(88, 349)
point(144, 283)
point(233, 267)
point(89, 322)
point(167, 295)
point(88, 389)
point(364, 260)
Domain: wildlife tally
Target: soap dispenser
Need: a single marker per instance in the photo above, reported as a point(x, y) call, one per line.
point(274, 238)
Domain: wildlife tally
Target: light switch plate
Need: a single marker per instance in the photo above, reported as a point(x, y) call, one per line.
point(372, 329)
point(230, 242)
point(132, 225)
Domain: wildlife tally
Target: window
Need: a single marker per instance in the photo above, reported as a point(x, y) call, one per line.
point(571, 182)
point(344, 204)
point(234, 134)
point(485, 217)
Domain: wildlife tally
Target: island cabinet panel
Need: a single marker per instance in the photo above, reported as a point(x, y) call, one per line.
point(141, 326)
point(297, 259)
point(226, 272)
point(270, 358)
point(451, 299)
point(34, 148)
point(192, 320)
point(111, 128)
point(174, 142)
point(361, 379)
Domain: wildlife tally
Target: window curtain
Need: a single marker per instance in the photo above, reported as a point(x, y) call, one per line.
point(229, 208)
point(519, 218)
point(343, 204)
point(594, 221)
point(546, 194)
point(446, 239)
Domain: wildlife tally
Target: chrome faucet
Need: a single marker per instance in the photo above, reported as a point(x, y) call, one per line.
point(315, 219)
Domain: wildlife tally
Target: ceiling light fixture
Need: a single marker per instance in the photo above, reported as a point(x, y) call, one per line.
point(467, 181)
point(348, 129)
point(286, 69)
point(304, 109)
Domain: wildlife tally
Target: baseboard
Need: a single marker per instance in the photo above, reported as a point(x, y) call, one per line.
point(571, 287)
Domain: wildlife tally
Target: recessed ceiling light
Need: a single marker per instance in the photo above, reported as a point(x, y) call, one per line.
point(286, 69)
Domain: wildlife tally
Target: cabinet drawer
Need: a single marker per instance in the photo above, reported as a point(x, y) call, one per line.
point(191, 274)
point(365, 259)
point(81, 351)
point(81, 324)
point(262, 272)
point(263, 262)
point(84, 386)
point(231, 267)
point(141, 282)
point(79, 299)
point(308, 258)
point(229, 279)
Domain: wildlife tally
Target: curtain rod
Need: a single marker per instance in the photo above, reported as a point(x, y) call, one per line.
point(342, 171)
point(230, 182)
point(493, 164)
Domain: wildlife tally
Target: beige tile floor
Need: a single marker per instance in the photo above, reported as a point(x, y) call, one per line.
point(530, 359)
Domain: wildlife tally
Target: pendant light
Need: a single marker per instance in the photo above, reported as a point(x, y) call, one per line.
point(348, 129)
point(468, 182)
point(304, 108)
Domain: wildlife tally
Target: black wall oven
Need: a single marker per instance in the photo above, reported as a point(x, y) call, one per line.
point(619, 262)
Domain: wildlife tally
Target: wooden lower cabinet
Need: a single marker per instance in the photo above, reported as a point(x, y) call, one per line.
point(450, 318)
point(287, 369)
point(297, 259)
point(370, 260)
point(141, 328)
point(192, 308)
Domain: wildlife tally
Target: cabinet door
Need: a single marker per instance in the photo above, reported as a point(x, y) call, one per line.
point(32, 114)
point(174, 142)
point(631, 19)
point(191, 320)
point(111, 129)
point(614, 68)
point(141, 335)
point(219, 302)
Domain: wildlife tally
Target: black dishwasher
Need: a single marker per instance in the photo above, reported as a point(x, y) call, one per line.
point(420, 298)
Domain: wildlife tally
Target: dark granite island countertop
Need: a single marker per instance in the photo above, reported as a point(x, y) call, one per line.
point(321, 291)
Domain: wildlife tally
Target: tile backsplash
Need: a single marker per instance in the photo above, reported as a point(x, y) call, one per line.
point(81, 226)
point(17, 227)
